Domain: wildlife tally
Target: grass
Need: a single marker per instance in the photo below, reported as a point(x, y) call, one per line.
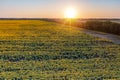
point(36, 49)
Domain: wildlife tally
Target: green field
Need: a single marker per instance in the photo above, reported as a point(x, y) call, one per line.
point(41, 50)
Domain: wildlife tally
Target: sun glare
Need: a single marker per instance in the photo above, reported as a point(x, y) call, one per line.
point(70, 13)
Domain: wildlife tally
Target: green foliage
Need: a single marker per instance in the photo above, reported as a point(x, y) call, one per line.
point(40, 50)
point(108, 27)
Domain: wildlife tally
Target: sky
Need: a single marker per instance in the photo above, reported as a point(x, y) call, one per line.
point(56, 8)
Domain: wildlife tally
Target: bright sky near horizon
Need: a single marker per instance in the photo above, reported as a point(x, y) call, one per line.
point(56, 8)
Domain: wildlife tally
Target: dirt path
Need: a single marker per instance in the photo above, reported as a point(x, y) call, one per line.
point(114, 38)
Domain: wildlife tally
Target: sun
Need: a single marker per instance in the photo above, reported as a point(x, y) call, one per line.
point(70, 13)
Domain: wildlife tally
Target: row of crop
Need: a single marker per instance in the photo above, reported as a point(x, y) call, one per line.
point(63, 55)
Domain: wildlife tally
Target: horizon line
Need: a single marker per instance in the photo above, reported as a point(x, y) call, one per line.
point(57, 18)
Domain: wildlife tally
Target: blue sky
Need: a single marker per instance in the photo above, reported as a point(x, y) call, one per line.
point(56, 8)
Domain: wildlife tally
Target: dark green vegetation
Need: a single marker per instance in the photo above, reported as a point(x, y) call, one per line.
point(108, 27)
point(34, 49)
